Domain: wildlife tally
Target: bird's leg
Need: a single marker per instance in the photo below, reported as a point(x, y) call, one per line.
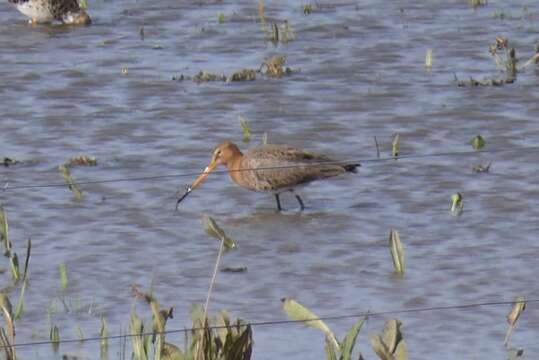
point(298, 198)
point(279, 208)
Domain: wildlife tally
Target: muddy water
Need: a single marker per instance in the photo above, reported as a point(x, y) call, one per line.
point(361, 75)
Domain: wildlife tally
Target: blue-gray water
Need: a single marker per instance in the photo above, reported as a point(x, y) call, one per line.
point(361, 74)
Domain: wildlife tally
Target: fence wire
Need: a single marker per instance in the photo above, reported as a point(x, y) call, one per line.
point(366, 314)
point(8, 187)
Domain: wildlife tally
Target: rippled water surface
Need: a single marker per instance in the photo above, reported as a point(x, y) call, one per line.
point(361, 74)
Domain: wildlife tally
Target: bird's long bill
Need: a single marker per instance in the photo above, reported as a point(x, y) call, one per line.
point(213, 164)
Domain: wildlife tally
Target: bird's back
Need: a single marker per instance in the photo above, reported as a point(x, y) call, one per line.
point(59, 8)
point(284, 153)
point(282, 167)
point(46, 10)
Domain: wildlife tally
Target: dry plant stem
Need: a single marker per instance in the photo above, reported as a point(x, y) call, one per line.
point(214, 276)
point(532, 60)
point(217, 263)
point(8, 316)
point(28, 249)
point(261, 13)
point(377, 147)
point(8, 349)
point(508, 335)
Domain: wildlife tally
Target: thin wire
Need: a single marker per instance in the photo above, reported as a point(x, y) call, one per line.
point(337, 162)
point(280, 322)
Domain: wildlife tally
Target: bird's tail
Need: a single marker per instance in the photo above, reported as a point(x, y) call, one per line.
point(351, 167)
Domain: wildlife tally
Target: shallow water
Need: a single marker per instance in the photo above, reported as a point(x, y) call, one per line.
point(361, 75)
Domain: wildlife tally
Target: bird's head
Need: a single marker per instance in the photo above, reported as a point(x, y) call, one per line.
point(223, 154)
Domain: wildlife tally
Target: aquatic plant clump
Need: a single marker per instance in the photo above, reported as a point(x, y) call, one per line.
point(506, 62)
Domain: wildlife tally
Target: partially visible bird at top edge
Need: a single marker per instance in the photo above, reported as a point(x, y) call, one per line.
point(47, 11)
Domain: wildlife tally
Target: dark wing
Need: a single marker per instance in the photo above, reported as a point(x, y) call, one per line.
point(61, 7)
point(285, 153)
point(284, 167)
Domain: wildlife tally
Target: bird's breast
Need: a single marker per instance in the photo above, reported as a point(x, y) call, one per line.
point(37, 10)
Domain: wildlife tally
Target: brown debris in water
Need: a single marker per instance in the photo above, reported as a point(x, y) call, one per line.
point(272, 67)
point(472, 82)
point(243, 75)
point(480, 168)
point(477, 3)
point(204, 76)
point(82, 160)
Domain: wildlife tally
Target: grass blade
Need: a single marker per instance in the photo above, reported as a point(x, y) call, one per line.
point(136, 328)
point(457, 205)
point(350, 339)
point(104, 342)
point(395, 146)
point(15, 271)
point(9, 350)
point(54, 337)
point(380, 348)
point(63, 277)
point(329, 348)
point(296, 311)
point(7, 312)
point(428, 59)
point(20, 304)
point(518, 308)
point(80, 333)
point(397, 251)
point(245, 128)
point(4, 232)
point(478, 142)
point(27, 261)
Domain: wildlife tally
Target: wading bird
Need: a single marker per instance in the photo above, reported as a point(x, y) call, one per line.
point(272, 168)
point(46, 11)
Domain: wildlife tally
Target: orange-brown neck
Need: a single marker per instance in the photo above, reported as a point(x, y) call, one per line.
point(234, 168)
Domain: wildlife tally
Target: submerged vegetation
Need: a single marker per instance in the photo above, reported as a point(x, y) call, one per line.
point(273, 67)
